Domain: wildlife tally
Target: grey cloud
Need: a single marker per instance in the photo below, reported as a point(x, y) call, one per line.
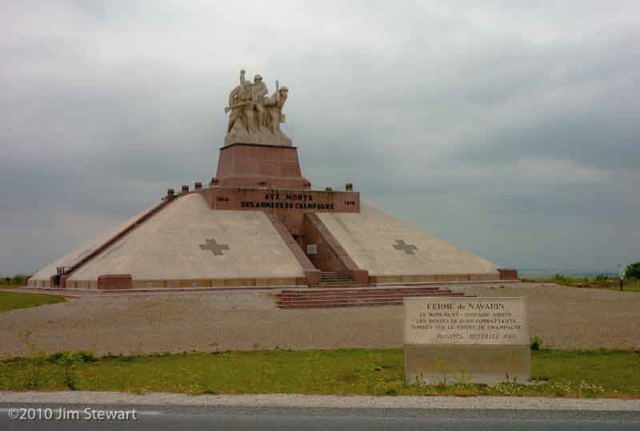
point(430, 108)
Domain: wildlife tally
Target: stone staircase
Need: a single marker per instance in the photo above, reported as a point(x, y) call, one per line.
point(360, 297)
point(335, 279)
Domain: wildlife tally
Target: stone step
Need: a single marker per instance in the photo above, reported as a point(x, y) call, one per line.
point(336, 304)
point(334, 274)
point(359, 290)
point(339, 286)
point(331, 301)
point(339, 298)
point(366, 294)
point(336, 280)
point(325, 279)
point(339, 305)
point(362, 296)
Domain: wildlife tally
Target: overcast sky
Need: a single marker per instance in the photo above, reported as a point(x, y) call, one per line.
point(510, 128)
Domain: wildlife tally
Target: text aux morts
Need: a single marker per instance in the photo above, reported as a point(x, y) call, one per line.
point(287, 201)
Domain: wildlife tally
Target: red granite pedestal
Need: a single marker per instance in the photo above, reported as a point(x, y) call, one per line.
point(251, 165)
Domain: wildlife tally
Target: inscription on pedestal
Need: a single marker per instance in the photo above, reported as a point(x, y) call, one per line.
point(289, 200)
point(481, 340)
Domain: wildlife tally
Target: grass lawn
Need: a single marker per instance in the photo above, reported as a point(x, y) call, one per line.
point(14, 300)
point(599, 373)
point(606, 283)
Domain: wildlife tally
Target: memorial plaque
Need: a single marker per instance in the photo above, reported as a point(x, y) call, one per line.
point(312, 249)
point(464, 340)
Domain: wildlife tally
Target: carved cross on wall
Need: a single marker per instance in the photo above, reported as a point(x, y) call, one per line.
point(407, 248)
point(214, 247)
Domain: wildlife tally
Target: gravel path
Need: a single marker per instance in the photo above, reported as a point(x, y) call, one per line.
point(327, 401)
point(562, 317)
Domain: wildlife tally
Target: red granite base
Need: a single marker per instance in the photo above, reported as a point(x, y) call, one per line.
point(250, 165)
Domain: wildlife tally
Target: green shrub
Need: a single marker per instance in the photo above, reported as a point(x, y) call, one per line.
point(536, 343)
point(34, 376)
point(69, 361)
point(65, 357)
point(633, 271)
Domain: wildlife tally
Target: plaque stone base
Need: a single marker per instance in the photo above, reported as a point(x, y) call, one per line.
point(466, 340)
point(466, 364)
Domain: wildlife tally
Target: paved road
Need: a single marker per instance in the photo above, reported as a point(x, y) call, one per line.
point(233, 418)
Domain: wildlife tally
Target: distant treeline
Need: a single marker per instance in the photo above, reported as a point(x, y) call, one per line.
point(546, 273)
point(16, 280)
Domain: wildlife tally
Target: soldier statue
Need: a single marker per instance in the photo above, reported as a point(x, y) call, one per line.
point(255, 117)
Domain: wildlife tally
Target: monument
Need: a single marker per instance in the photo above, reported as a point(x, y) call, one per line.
point(466, 340)
point(259, 223)
point(255, 118)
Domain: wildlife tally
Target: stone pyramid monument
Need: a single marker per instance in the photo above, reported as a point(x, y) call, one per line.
point(259, 223)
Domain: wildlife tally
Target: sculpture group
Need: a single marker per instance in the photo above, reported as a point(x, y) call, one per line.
point(255, 117)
